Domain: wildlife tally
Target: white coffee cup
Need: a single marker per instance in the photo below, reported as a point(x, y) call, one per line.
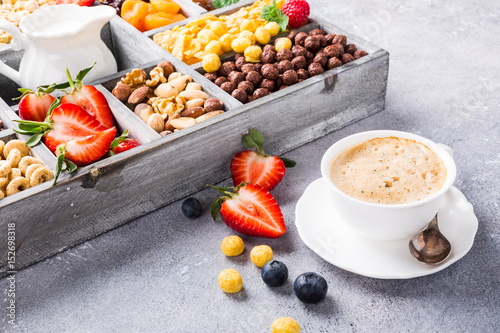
point(380, 221)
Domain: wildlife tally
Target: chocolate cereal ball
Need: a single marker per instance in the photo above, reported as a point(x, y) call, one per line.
point(315, 69)
point(228, 86)
point(239, 63)
point(268, 57)
point(247, 86)
point(220, 80)
point(347, 58)
point(332, 51)
point(329, 38)
point(290, 77)
point(254, 77)
point(300, 38)
point(259, 93)
point(333, 63)
point(315, 32)
point(350, 48)
point(312, 43)
point(270, 85)
point(340, 39)
point(270, 72)
point(321, 59)
point(322, 40)
point(239, 55)
point(298, 50)
point(299, 62)
point(240, 95)
point(359, 54)
point(211, 76)
point(258, 67)
point(279, 81)
point(284, 54)
point(268, 47)
point(284, 66)
point(309, 55)
point(247, 68)
point(236, 77)
point(227, 68)
point(291, 35)
point(302, 74)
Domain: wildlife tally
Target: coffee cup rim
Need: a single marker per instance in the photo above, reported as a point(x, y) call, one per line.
point(357, 138)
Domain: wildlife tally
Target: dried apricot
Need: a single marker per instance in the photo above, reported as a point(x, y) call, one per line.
point(165, 6)
point(134, 12)
point(157, 20)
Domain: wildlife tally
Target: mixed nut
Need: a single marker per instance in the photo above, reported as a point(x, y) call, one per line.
point(166, 100)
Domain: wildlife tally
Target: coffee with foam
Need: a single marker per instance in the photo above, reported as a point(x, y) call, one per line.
point(388, 171)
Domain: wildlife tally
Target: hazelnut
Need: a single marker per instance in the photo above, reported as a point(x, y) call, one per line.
point(254, 77)
point(247, 68)
point(138, 95)
point(227, 68)
point(220, 80)
point(312, 43)
point(259, 93)
point(347, 58)
point(247, 86)
point(315, 32)
point(228, 86)
point(269, 47)
point(193, 112)
point(299, 62)
point(329, 38)
point(270, 85)
point(340, 39)
point(167, 66)
point(168, 124)
point(359, 54)
point(291, 35)
point(236, 77)
point(270, 72)
point(321, 59)
point(240, 95)
point(302, 74)
point(239, 63)
point(284, 66)
point(350, 48)
point(211, 76)
point(334, 63)
point(212, 104)
point(290, 77)
point(268, 57)
point(122, 91)
point(315, 69)
point(298, 50)
point(300, 38)
point(284, 54)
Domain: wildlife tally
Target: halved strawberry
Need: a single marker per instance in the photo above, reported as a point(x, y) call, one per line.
point(122, 143)
point(78, 2)
point(84, 151)
point(256, 167)
point(250, 210)
point(34, 105)
point(88, 98)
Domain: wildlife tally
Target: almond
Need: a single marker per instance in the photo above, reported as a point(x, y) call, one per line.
point(194, 94)
point(193, 112)
point(208, 115)
point(156, 122)
point(182, 122)
point(138, 95)
point(194, 103)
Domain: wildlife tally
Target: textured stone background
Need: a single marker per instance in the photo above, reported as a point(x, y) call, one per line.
point(159, 273)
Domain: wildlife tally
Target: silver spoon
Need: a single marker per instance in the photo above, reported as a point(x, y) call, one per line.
point(430, 246)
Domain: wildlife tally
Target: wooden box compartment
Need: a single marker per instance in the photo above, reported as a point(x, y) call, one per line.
point(118, 189)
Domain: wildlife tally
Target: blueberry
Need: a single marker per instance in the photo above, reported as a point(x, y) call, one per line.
point(191, 208)
point(310, 287)
point(274, 273)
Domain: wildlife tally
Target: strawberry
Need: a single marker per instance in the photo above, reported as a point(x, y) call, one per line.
point(83, 3)
point(122, 143)
point(88, 98)
point(250, 210)
point(297, 12)
point(34, 106)
point(258, 168)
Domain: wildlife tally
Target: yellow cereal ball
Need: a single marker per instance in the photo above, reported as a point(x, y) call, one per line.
point(273, 28)
point(285, 325)
point(240, 44)
point(230, 281)
point(226, 41)
point(218, 27)
point(206, 35)
point(213, 47)
point(262, 35)
point(248, 35)
point(249, 25)
point(283, 43)
point(211, 63)
point(232, 246)
point(261, 254)
point(280, 3)
point(253, 53)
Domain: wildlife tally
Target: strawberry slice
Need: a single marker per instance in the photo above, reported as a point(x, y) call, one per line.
point(34, 105)
point(250, 210)
point(88, 98)
point(84, 151)
point(258, 168)
point(83, 3)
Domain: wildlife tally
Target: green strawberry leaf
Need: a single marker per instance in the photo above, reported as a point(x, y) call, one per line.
point(288, 162)
point(81, 74)
point(34, 139)
point(272, 13)
point(223, 3)
point(119, 139)
point(71, 166)
point(60, 162)
point(257, 137)
point(216, 207)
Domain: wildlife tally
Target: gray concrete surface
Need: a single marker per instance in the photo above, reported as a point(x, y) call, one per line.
point(159, 273)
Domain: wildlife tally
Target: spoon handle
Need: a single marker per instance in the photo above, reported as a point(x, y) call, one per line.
point(433, 223)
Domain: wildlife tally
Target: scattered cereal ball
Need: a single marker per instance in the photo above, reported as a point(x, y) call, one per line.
point(230, 281)
point(262, 35)
point(261, 254)
point(214, 46)
point(283, 43)
point(240, 44)
point(249, 25)
point(232, 246)
point(248, 35)
point(206, 35)
point(211, 63)
point(285, 325)
point(253, 53)
point(226, 41)
point(273, 28)
point(218, 27)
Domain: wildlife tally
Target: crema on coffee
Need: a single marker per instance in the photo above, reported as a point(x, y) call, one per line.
point(388, 171)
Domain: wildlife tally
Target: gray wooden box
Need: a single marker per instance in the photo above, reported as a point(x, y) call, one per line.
point(113, 191)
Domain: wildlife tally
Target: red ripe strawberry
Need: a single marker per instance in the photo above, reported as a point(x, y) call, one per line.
point(256, 167)
point(34, 106)
point(84, 151)
point(78, 2)
point(122, 143)
point(88, 98)
point(297, 12)
point(250, 210)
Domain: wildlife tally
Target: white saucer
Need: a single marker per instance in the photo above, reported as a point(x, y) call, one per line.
point(324, 232)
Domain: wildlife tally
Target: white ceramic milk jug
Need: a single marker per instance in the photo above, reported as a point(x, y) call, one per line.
point(59, 37)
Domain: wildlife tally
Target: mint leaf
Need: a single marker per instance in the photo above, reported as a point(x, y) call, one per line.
point(272, 13)
point(223, 3)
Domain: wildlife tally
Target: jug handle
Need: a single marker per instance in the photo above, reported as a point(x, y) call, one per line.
point(19, 42)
